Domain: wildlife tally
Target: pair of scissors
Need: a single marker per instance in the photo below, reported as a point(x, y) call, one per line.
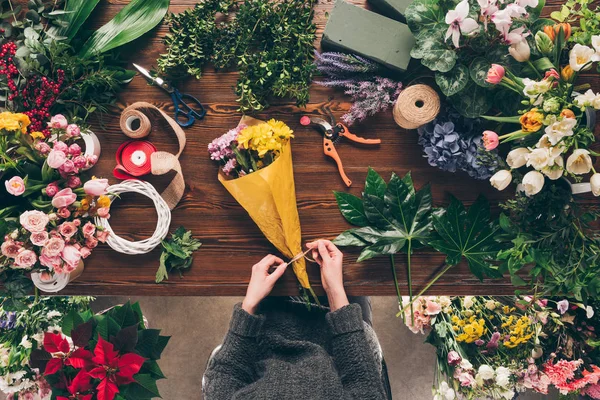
point(186, 113)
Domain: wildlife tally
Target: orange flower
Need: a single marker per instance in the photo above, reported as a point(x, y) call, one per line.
point(552, 31)
point(566, 113)
point(567, 73)
point(531, 121)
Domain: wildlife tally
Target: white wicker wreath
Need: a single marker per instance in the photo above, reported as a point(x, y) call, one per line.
point(162, 210)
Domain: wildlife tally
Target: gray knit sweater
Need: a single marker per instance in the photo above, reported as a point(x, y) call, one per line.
point(283, 355)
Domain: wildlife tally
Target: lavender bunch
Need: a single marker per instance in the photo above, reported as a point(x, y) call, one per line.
point(370, 93)
point(452, 142)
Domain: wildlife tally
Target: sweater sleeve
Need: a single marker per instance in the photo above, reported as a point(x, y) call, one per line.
point(352, 355)
point(231, 368)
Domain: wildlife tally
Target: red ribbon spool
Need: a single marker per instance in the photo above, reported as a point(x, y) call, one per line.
point(134, 159)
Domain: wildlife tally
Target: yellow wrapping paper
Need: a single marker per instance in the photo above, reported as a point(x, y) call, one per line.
point(269, 197)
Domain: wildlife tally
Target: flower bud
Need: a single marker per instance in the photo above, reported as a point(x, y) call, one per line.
point(520, 51)
point(495, 74)
point(595, 184)
point(544, 43)
point(567, 73)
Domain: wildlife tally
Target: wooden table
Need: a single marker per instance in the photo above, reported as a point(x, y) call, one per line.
point(231, 241)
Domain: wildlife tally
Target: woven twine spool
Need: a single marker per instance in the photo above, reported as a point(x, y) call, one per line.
point(416, 106)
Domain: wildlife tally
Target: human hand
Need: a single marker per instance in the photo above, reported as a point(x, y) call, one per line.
point(330, 258)
point(261, 282)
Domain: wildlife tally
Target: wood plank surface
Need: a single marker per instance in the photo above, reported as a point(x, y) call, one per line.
point(231, 241)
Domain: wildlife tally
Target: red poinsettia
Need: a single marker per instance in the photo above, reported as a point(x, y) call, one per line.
point(113, 369)
point(57, 345)
point(80, 384)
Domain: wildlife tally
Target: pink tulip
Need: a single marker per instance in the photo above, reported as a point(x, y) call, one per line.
point(74, 150)
point(58, 122)
point(96, 187)
point(56, 159)
point(60, 146)
point(52, 189)
point(64, 198)
point(15, 186)
point(73, 181)
point(73, 130)
point(42, 147)
point(80, 161)
point(490, 140)
point(68, 167)
point(495, 74)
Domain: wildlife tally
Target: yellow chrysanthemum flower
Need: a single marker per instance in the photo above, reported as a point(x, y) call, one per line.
point(37, 135)
point(103, 201)
point(14, 121)
point(267, 137)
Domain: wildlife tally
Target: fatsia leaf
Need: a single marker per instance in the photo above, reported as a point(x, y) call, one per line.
point(375, 184)
point(469, 234)
point(351, 208)
point(135, 19)
point(77, 12)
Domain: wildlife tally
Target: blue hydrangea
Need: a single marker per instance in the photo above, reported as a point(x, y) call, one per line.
point(452, 142)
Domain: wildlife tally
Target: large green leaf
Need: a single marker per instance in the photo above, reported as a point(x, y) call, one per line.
point(469, 234)
point(434, 54)
point(351, 208)
point(77, 12)
point(453, 81)
point(478, 70)
point(135, 19)
point(425, 15)
point(474, 101)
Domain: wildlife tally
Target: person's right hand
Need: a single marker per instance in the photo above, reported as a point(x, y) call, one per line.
point(330, 258)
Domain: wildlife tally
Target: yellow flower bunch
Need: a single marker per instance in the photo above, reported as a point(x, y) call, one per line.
point(103, 201)
point(37, 135)
point(519, 331)
point(471, 331)
point(10, 121)
point(266, 137)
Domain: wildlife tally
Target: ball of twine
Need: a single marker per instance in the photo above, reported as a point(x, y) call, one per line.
point(416, 106)
point(162, 226)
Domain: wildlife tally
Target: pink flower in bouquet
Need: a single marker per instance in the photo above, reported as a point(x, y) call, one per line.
point(73, 130)
point(64, 198)
point(102, 235)
point(53, 247)
point(85, 252)
point(73, 181)
point(68, 167)
point(39, 238)
point(552, 74)
point(95, 187)
point(56, 159)
point(592, 391)
point(80, 161)
point(454, 358)
point(25, 259)
point(52, 189)
point(495, 74)
point(58, 122)
point(433, 308)
point(229, 166)
point(71, 256)
point(10, 248)
point(15, 186)
point(63, 212)
point(562, 306)
point(490, 140)
point(60, 146)
point(562, 375)
point(67, 229)
point(74, 150)
point(416, 323)
point(92, 160)
point(54, 263)
point(91, 242)
point(103, 212)
point(42, 147)
point(465, 378)
point(34, 220)
point(77, 222)
point(88, 229)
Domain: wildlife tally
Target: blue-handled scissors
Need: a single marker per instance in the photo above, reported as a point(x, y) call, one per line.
point(186, 113)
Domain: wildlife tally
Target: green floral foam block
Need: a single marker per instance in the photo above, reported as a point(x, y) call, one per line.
point(392, 8)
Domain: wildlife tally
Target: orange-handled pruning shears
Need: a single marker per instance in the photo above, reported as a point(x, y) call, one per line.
point(332, 133)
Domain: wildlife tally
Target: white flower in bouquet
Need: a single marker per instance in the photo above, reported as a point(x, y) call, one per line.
point(596, 43)
point(595, 184)
point(490, 305)
point(556, 170)
point(582, 57)
point(520, 51)
point(26, 343)
point(533, 89)
point(557, 130)
point(444, 301)
point(517, 158)
point(532, 183)
point(587, 99)
point(508, 394)
point(468, 301)
point(503, 377)
point(539, 158)
point(54, 314)
point(459, 22)
point(579, 162)
point(500, 180)
point(445, 392)
point(466, 365)
point(485, 372)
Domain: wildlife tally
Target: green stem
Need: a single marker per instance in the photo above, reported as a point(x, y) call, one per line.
point(410, 296)
point(393, 263)
point(36, 291)
point(534, 69)
point(434, 280)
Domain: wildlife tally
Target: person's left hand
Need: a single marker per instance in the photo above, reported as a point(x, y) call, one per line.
point(261, 282)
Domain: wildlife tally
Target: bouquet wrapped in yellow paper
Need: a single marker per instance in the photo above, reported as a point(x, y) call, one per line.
point(256, 168)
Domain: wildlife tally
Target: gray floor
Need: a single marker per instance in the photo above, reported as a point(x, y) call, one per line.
point(198, 324)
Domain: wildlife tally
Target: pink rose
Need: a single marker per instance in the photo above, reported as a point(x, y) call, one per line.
point(25, 259)
point(53, 247)
point(53, 263)
point(74, 150)
point(102, 235)
point(10, 248)
point(80, 161)
point(64, 212)
point(56, 159)
point(58, 122)
point(73, 130)
point(433, 308)
point(85, 252)
point(67, 229)
point(92, 159)
point(91, 242)
point(77, 222)
point(52, 189)
point(96, 187)
point(39, 238)
point(73, 181)
point(42, 147)
point(454, 358)
point(495, 74)
point(103, 212)
point(34, 220)
point(15, 186)
point(88, 229)
point(64, 198)
point(71, 256)
point(60, 146)
point(68, 167)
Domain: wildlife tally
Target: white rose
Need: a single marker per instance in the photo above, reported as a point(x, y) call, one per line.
point(556, 170)
point(595, 184)
point(485, 372)
point(501, 179)
point(579, 162)
point(533, 182)
point(25, 343)
point(538, 158)
point(502, 376)
point(517, 158)
point(465, 364)
point(582, 56)
point(468, 301)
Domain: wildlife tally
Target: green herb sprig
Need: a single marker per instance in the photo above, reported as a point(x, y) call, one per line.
point(177, 253)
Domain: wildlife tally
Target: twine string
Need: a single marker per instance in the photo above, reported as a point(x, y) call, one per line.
point(416, 106)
